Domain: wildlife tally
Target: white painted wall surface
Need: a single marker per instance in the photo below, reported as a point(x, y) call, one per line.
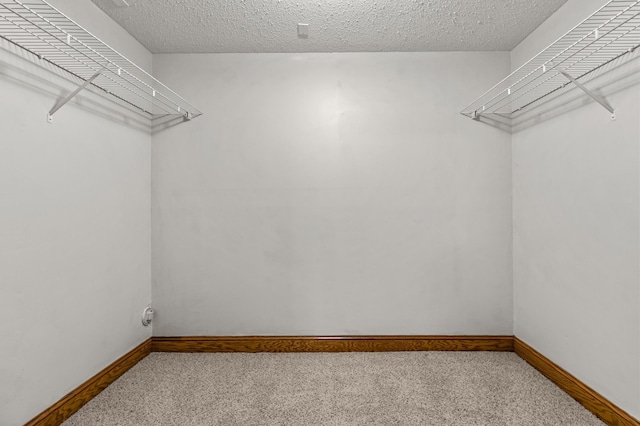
point(576, 234)
point(331, 194)
point(74, 230)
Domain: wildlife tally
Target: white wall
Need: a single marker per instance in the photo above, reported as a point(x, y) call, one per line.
point(576, 234)
point(74, 229)
point(331, 194)
point(320, 194)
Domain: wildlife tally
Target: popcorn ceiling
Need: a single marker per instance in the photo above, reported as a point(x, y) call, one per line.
point(198, 26)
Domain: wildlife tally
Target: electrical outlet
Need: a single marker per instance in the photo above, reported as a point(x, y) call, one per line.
point(147, 316)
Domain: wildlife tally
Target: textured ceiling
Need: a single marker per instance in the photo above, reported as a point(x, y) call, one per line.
point(209, 26)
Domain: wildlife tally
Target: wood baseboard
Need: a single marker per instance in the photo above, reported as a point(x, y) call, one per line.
point(332, 343)
point(73, 401)
point(590, 399)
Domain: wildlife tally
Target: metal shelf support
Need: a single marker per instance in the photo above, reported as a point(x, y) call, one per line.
point(72, 95)
point(603, 42)
point(599, 99)
point(52, 38)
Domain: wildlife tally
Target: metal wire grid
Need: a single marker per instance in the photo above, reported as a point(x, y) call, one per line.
point(41, 29)
point(584, 53)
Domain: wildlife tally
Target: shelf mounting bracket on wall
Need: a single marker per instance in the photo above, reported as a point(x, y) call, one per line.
point(599, 99)
point(72, 95)
point(606, 41)
point(50, 38)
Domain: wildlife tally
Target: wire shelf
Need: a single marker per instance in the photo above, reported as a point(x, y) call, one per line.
point(44, 31)
point(587, 51)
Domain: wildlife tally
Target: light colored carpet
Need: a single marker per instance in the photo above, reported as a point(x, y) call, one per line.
point(392, 388)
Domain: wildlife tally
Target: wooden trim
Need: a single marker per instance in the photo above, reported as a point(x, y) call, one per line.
point(72, 402)
point(331, 343)
point(590, 399)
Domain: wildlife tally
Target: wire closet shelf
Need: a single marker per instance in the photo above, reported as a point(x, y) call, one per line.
point(45, 32)
point(590, 49)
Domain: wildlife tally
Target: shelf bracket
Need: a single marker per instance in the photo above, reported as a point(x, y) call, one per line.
point(599, 99)
point(72, 95)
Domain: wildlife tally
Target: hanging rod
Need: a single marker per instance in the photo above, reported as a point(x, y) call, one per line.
point(606, 37)
point(44, 31)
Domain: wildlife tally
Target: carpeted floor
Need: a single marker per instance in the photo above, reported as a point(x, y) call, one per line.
point(392, 388)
